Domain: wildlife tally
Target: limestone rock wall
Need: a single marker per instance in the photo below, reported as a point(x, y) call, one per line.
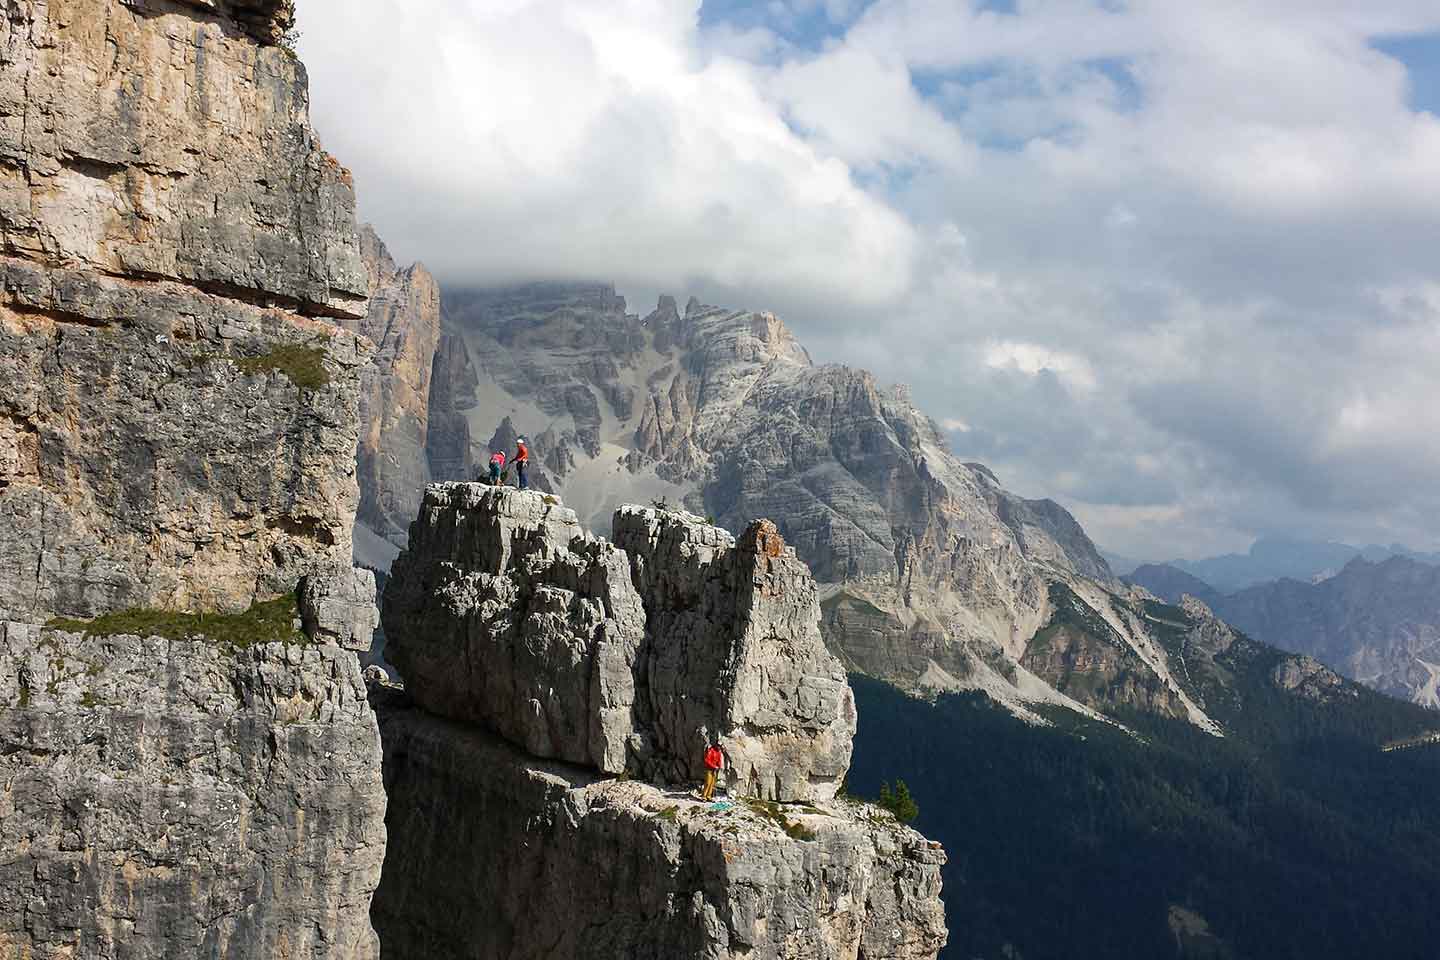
point(494, 855)
point(404, 324)
point(176, 429)
point(626, 657)
point(734, 649)
point(165, 798)
point(178, 419)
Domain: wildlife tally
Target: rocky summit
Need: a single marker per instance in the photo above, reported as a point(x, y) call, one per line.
point(560, 691)
point(630, 657)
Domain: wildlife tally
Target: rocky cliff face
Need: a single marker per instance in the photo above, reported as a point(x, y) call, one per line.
point(628, 657)
point(188, 797)
point(494, 854)
point(178, 417)
point(174, 426)
point(555, 683)
point(404, 324)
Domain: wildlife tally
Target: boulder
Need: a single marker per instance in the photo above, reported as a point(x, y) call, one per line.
point(338, 606)
point(625, 657)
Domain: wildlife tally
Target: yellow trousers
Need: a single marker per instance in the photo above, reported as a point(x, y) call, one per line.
point(709, 790)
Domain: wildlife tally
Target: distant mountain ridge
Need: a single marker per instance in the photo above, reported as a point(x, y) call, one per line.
point(1378, 623)
point(1276, 558)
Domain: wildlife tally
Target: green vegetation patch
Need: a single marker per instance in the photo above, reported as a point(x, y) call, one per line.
point(304, 366)
point(770, 810)
point(898, 801)
point(267, 622)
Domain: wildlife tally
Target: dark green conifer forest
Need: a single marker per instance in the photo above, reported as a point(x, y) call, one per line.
point(1293, 837)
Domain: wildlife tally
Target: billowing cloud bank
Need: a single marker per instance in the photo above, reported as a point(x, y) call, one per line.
point(1172, 264)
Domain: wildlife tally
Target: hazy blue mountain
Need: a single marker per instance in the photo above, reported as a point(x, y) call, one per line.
point(1274, 558)
point(1171, 583)
point(1375, 622)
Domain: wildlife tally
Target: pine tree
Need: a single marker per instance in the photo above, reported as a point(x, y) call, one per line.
point(898, 801)
point(903, 805)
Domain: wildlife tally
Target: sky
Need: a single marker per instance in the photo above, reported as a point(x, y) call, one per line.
point(1174, 265)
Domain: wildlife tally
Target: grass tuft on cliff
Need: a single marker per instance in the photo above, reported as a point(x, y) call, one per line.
point(267, 622)
point(304, 366)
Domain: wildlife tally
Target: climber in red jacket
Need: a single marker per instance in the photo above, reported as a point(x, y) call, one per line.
point(521, 461)
point(714, 760)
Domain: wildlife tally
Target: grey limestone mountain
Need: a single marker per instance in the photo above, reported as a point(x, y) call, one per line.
point(556, 682)
point(1378, 623)
point(404, 324)
point(178, 420)
point(931, 575)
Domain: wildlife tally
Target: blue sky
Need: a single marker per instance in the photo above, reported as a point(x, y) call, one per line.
point(1421, 55)
point(1171, 264)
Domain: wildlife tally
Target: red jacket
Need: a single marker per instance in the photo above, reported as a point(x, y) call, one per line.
point(522, 455)
point(498, 457)
point(714, 759)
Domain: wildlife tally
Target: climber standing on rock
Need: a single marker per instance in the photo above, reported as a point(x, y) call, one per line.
point(497, 466)
point(714, 761)
point(521, 461)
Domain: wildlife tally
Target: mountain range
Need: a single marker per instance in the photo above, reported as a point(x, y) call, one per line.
point(1378, 623)
point(933, 576)
point(934, 581)
point(220, 391)
point(1276, 558)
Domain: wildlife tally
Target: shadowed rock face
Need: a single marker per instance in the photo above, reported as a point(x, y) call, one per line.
point(404, 324)
point(625, 657)
point(183, 798)
point(498, 856)
point(175, 428)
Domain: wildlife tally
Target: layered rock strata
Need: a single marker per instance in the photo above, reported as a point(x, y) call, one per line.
point(494, 854)
point(166, 798)
point(627, 657)
point(178, 417)
point(404, 324)
point(175, 428)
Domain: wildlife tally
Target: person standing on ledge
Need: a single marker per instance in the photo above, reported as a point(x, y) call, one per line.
point(497, 464)
point(714, 760)
point(521, 461)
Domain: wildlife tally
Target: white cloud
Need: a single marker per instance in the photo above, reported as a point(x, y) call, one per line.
point(1173, 262)
point(567, 137)
point(1033, 359)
